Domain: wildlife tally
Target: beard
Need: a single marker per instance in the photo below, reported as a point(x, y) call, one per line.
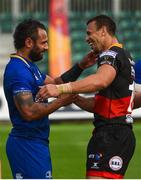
point(35, 55)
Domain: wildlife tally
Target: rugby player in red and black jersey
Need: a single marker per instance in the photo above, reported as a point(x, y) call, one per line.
point(112, 143)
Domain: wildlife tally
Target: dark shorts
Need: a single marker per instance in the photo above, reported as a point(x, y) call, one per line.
point(109, 151)
point(28, 159)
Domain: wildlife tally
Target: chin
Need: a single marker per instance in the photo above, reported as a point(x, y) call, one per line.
point(37, 59)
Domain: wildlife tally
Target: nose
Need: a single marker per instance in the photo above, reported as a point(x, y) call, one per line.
point(46, 47)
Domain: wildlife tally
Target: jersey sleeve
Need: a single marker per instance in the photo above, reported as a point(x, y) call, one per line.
point(138, 72)
point(108, 57)
point(43, 76)
point(21, 81)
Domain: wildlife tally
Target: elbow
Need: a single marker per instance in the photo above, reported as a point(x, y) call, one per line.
point(100, 85)
point(104, 85)
point(29, 116)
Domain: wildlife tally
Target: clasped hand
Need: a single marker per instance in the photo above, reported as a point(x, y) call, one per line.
point(47, 91)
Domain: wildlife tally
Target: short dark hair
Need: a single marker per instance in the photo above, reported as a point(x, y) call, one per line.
point(103, 20)
point(25, 29)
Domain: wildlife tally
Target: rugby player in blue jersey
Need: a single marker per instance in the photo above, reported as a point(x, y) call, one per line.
point(28, 142)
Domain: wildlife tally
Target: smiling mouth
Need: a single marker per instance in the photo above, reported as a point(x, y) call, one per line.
point(91, 45)
point(42, 53)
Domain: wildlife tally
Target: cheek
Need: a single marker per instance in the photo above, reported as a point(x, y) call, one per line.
point(38, 49)
point(96, 40)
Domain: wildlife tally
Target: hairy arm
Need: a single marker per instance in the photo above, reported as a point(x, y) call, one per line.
point(31, 110)
point(102, 79)
point(84, 103)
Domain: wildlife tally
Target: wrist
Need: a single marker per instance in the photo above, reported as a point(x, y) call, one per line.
point(72, 74)
point(75, 98)
point(64, 88)
point(81, 65)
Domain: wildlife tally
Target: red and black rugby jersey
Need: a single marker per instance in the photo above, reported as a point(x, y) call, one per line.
point(114, 103)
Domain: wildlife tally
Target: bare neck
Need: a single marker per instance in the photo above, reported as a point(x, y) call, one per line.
point(109, 42)
point(24, 54)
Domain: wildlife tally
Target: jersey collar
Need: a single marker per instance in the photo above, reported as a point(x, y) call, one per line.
point(19, 57)
point(117, 45)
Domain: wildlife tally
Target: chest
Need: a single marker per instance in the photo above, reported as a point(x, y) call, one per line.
point(36, 80)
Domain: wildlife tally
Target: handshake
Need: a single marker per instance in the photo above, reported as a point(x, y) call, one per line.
point(52, 90)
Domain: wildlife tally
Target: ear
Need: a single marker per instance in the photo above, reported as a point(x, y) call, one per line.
point(103, 31)
point(29, 42)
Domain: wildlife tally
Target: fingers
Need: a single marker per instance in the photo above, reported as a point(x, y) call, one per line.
point(42, 94)
point(47, 91)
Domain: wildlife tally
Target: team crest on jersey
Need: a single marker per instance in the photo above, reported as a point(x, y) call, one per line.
point(115, 163)
point(108, 53)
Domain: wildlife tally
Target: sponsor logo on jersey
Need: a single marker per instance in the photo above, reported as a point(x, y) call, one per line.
point(115, 163)
point(95, 165)
point(19, 176)
point(48, 175)
point(96, 156)
point(108, 53)
point(91, 156)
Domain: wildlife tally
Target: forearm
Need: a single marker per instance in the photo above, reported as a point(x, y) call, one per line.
point(89, 84)
point(39, 110)
point(69, 76)
point(72, 74)
point(86, 104)
point(92, 83)
point(31, 110)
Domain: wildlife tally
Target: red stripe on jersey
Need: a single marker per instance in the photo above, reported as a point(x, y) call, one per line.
point(111, 108)
point(104, 174)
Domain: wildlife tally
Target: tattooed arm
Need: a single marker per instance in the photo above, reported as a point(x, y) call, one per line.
point(31, 110)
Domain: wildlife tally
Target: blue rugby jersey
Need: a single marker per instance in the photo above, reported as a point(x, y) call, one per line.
point(24, 76)
point(138, 72)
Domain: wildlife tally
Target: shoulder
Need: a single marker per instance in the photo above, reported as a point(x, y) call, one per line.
point(107, 57)
point(108, 53)
point(16, 69)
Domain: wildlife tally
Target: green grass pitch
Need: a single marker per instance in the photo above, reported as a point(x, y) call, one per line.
point(68, 143)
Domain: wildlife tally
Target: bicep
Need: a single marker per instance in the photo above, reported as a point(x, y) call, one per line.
point(24, 102)
point(106, 73)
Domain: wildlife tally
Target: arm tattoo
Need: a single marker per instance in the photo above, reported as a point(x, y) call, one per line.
point(24, 99)
point(25, 104)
